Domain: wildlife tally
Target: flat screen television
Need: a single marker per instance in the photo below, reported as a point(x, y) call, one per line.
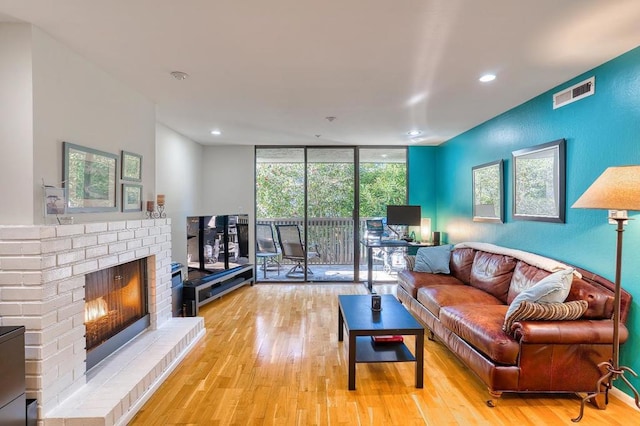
point(403, 215)
point(216, 244)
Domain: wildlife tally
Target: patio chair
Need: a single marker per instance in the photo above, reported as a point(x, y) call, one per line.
point(293, 249)
point(266, 247)
point(242, 246)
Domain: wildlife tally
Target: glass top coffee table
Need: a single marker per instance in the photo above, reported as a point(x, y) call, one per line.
point(356, 317)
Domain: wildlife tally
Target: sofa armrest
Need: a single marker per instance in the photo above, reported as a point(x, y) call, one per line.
point(567, 332)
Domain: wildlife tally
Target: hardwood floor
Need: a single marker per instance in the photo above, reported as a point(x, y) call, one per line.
point(271, 356)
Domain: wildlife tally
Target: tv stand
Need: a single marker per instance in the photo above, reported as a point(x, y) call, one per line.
point(200, 291)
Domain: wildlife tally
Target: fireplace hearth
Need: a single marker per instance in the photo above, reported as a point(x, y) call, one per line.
point(115, 308)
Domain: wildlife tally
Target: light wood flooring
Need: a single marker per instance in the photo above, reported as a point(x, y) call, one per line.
point(271, 356)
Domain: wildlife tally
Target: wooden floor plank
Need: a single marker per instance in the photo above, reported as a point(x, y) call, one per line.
point(271, 356)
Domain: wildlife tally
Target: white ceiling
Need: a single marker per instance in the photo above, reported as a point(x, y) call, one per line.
point(270, 71)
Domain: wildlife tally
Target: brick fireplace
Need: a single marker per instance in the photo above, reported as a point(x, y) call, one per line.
point(42, 286)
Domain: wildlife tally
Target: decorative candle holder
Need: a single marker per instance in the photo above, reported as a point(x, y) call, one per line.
point(152, 212)
point(157, 213)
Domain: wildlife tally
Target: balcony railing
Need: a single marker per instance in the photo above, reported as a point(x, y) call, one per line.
point(331, 237)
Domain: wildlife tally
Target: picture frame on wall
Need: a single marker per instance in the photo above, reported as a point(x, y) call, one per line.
point(90, 179)
point(488, 193)
point(539, 182)
point(131, 166)
point(131, 197)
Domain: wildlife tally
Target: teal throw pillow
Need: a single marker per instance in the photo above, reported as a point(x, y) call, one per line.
point(434, 260)
point(553, 288)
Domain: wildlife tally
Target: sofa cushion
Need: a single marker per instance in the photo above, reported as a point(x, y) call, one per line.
point(461, 262)
point(524, 277)
point(601, 303)
point(553, 288)
point(411, 281)
point(545, 311)
point(435, 297)
point(434, 260)
point(481, 327)
point(492, 273)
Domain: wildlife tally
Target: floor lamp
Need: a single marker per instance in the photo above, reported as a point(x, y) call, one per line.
point(618, 188)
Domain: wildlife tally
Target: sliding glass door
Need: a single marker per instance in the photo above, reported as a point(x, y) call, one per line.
point(315, 191)
point(330, 209)
point(382, 180)
point(280, 200)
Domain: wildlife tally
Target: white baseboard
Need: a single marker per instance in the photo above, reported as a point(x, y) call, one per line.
point(631, 402)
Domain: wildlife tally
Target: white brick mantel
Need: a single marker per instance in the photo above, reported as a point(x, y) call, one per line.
point(42, 271)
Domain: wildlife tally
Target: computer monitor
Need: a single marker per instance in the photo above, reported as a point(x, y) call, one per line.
point(403, 215)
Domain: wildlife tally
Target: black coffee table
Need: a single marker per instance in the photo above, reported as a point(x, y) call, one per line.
point(355, 315)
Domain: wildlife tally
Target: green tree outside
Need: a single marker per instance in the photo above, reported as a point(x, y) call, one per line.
point(280, 189)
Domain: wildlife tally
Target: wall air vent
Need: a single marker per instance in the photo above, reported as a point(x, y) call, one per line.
point(574, 93)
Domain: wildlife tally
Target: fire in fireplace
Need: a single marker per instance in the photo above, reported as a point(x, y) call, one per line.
point(115, 308)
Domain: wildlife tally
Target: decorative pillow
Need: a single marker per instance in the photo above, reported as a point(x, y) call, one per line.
point(434, 260)
point(545, 311)
point(410, 261)
point(553, 288)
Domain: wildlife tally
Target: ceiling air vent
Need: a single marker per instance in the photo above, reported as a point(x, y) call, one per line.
point(574, 93)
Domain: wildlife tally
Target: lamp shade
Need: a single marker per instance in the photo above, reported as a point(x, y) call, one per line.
point(618, 188)
point(425, 227)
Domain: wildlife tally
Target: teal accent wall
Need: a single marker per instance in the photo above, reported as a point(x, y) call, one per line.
point(421, 180)
point(601, 130)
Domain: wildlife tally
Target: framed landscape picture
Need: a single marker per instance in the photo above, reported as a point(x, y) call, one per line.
point(131, 166)
point(90, 178)
point(539, 182)
point(488, 192)
point(131, 197)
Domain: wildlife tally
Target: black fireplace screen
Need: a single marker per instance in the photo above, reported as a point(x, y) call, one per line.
point(115, 298)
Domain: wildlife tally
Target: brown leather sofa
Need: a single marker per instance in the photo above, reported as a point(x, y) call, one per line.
point(465, 310)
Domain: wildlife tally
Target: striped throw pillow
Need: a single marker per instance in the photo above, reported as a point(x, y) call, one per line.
point(545, 311)
point(410, 261)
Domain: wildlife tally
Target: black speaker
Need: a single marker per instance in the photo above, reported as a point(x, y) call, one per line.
point(376, 303)
point(436, 238)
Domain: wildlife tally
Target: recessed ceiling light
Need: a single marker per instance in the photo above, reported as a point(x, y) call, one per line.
point(414, 132)
point(179, 75)
point(416, 99)
point(216, 132)
point(487, 78)
point(417, 140)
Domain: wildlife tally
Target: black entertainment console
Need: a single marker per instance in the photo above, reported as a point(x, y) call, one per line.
point(217, 259)
point(200, 291)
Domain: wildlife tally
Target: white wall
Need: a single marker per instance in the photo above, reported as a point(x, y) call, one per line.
point(228, 183)
point(16, 125)
point(50, 94)
point(179, 178)
point(75, 101)
point(202, 180)
point(228, 175)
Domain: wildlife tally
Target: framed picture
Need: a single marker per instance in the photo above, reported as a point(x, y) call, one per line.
point(131, 166)
point(131, 197)
point(90, 177)
point(539, 182)
point(488, 194)
point(54, 200)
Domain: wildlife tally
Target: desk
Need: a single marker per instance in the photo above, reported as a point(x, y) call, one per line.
point(371, 244)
